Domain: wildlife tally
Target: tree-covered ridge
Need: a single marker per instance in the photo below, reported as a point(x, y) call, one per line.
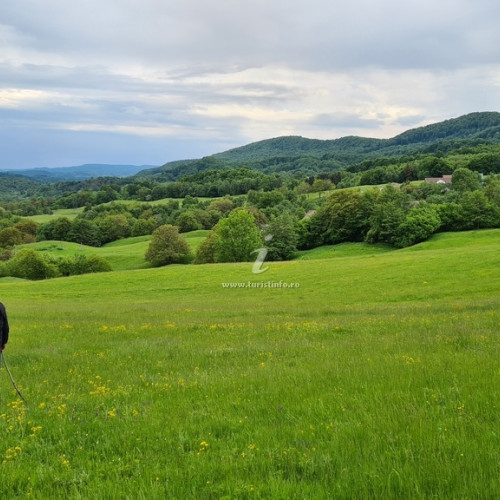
point(295, 153)
point(484, 126)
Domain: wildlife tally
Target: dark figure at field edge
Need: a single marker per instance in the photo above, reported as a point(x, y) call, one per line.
point(4, 327)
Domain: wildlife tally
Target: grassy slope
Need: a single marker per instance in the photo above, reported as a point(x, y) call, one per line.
point(125, 254)
point(376, 378)
point(70, 213)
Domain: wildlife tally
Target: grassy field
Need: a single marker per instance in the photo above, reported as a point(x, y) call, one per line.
point(124, 254)
point(70, 213)
point(376, 377)
point(344, 250)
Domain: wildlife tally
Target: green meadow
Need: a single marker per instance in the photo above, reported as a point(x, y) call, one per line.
point(376, 377)
point(69, 213)
point(124, 254)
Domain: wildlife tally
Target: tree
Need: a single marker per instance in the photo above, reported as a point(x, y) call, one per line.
point(54, 230)
point(492, 192)
point(142, 226)
point(282, 244)
point(222, 205)
point(433, 166)
point(84, 232)
point(374, 176)
point(320, 185)
point(237, 237)
point(187, 221)
point(31, 265)
point(81, 264)
point(206, 251)
point(479, 212)
point(464, 180)
point(388, 213)
point(28, 229)
point(419, 224)
point(345, 216)
point(452, 216)
point(167, 246)
point(113, 227)
point(304, 188)
point(10, 236)
point(106, 194)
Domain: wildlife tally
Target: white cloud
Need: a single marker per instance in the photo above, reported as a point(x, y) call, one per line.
point(18, 98)
point(213, 74)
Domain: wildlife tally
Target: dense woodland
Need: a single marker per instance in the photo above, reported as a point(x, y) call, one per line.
point(299, 201)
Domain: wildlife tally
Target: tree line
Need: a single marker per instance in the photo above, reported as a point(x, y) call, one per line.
point(399, 216)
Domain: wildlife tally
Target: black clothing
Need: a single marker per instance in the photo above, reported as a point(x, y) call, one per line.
point(4, 326)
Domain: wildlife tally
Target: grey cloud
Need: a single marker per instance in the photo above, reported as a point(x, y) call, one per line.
point(209, 70)
point(344, 121)
point(314, 34)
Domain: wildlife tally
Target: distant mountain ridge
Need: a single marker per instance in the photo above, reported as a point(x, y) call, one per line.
point(283, 154)
point(280, 154)
point(479, 125)
point(75, 173)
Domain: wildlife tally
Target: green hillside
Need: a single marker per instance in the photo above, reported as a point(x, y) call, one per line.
point(472, 140)
point(124, 254)
point(468, 127)
point(376, 377)
point(292, 153)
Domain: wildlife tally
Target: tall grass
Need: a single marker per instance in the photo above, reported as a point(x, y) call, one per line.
point(377, 378)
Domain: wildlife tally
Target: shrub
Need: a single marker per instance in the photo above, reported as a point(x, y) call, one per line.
point(31, 265)
point(206, 251)
point(418, 225)
point(167, 246)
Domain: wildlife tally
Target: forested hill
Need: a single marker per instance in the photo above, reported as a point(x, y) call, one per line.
point(294, 153)
point(76, 173)
point(475, 126)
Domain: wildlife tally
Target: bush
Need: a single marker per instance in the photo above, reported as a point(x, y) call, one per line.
point(31, 265)
point(10, 236)
point(84, 232)
point(143, 227)
point(206, 251)
point(419, 224)
point(187, 222)
point(167, 246)
point(81, 264)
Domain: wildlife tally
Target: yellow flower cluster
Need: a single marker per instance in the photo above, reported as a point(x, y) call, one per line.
point(98, 387)
point(35, 430)
point(114, 328)
point(12, 453)
point(203, 447)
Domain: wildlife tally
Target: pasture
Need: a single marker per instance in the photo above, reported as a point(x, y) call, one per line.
point(124, 254)
point(377, 377)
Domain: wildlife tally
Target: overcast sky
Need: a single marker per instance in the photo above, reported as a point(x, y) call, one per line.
point(150, 81)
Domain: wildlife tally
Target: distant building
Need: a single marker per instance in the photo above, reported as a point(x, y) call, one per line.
point(445, 179)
